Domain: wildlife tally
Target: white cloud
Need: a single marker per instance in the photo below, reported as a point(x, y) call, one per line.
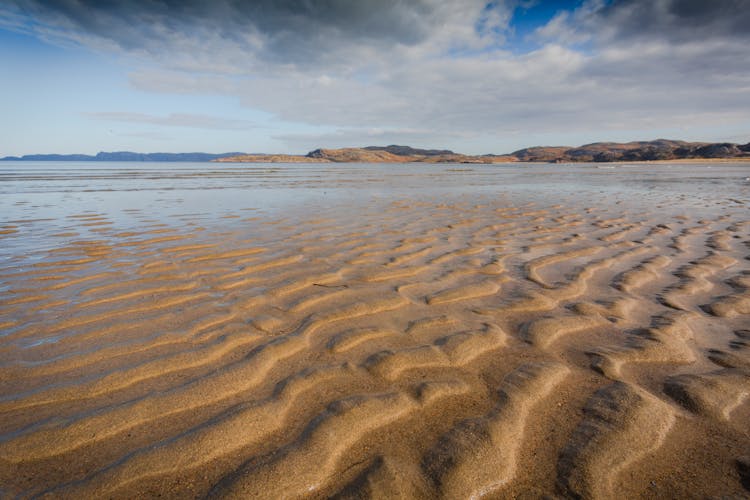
point(174, 120)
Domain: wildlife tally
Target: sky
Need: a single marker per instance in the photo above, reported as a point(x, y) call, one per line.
point(289, 76)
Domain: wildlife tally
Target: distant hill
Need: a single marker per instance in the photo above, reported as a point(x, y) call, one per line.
point(660, 149)
point(409, 151)
point(371, 154)
point(123, 156)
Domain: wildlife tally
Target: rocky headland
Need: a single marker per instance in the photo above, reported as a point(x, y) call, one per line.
point(660, 149)
point(374, 154)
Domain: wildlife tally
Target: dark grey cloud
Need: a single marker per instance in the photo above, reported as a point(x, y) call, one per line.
point(674, 20)
point(286, 31)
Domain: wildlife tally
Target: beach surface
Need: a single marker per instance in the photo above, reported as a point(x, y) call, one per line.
point(371, 331)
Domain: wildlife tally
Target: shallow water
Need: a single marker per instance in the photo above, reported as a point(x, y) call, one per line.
point(32, 192)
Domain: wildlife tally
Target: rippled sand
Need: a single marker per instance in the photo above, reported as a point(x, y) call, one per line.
point(445, 346)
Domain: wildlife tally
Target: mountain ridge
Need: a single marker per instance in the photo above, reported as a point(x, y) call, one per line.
point(600, 152)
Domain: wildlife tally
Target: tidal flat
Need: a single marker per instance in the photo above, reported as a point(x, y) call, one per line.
point(385, 331)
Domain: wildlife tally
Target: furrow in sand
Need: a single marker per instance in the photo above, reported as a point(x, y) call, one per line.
point(389, 274)
point(232, 254)
point(307, 464)
point(681, 242)
point(189, 248)
point(456, 350)
point(137, 294)
point(384, 479)
point(357, 309)
point(24, 299)
point(64, 263)
point(153, 241)
point(408, 257)
point(730, 305)
point(667, 342)
point(236, 429)
point(123, 378)
point(620, 234)
point(430, 324)
point(464, 347)
point(390, 364)
point(545, 331)
point(294, 285)
point(350, 339)
point(549, 299)
point(149, 308)
point(479, 456)
point(252, 275)
point(720, 240)
point(534, 267)
point(84, 279)
point(694, 279)
point(620, 309)
point(319, 300)
point(110, 352)
point(114, 287)
point(86, 429)
point(621, 425)
point(643, 274)
point(220, 385)
point(462, 252)
point(465, 292)
point(735, 304)
point(734, 359)
point(714, 394)
point(579, 285)
point(257, 267)
point(608, 223)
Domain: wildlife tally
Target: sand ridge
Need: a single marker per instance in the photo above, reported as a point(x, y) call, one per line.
point(425, 348)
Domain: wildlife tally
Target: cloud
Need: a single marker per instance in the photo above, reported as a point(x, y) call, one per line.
point(261, 32)
point(429, 70)
point(361, 136)
point(150, 135)
point(673, 20)
point(175, 120)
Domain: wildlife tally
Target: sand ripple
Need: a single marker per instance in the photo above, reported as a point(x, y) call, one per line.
point(422, 349)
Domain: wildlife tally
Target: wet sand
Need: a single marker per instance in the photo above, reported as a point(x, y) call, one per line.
point(583, 343)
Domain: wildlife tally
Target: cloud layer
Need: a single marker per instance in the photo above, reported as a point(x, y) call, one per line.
point(175, 120)
point(427, 66)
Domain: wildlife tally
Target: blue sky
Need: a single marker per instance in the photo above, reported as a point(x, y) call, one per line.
point(526, 19)
point(286, 76)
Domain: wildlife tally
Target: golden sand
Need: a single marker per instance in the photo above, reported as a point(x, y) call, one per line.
point(419, 350)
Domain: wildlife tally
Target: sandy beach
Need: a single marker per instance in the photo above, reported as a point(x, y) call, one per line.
point(498, 339)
